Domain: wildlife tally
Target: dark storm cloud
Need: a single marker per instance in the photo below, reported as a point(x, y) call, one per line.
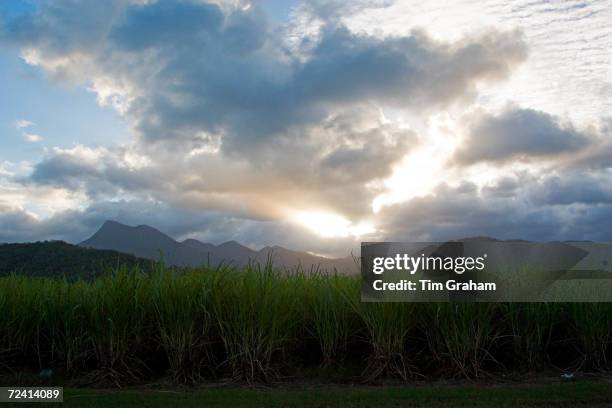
point(505, 187)
point(52, 25)
point(18, 226)
point(560, 187)
point(404, 71)
point(598, 156)
point(62, 170)
point(195, 67)
point(335, 10)
point(573, 188)
point(99, 172)
point(164, 24)
point(252, 98)
point(518, 134)
point(539, 213)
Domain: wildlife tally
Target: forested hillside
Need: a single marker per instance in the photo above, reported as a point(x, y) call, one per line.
point(58, 258)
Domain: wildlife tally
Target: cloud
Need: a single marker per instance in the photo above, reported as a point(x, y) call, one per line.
point(336, 159)
point(598, 156)
point(23, 123)
point(337, 10)
point(99, 172)
point(18, 226)
point(573, 188)
point(547, 208)
point(518, 134)
point(188, 67)
point(518, 174)
point(32, 138)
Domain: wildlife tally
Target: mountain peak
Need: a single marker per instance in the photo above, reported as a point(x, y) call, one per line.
point(191, 241)
point(231, 244)
point(112, 224)
point(196, 244)
point(111, 227)
point(142, 241)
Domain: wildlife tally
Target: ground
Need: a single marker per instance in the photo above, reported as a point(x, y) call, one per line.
point(589, 393)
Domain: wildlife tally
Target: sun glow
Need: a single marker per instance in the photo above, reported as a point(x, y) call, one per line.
point(423, 168)
point(331, 225)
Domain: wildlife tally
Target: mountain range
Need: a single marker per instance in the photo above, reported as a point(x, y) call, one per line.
point(147, 242)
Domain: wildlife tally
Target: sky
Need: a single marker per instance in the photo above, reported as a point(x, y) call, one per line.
point(313, 125)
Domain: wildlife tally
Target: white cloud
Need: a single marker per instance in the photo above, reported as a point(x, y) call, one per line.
point(32, 138)
point(23, 123)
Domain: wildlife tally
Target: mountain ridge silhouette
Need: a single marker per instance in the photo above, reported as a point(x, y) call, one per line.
point(148, 242)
